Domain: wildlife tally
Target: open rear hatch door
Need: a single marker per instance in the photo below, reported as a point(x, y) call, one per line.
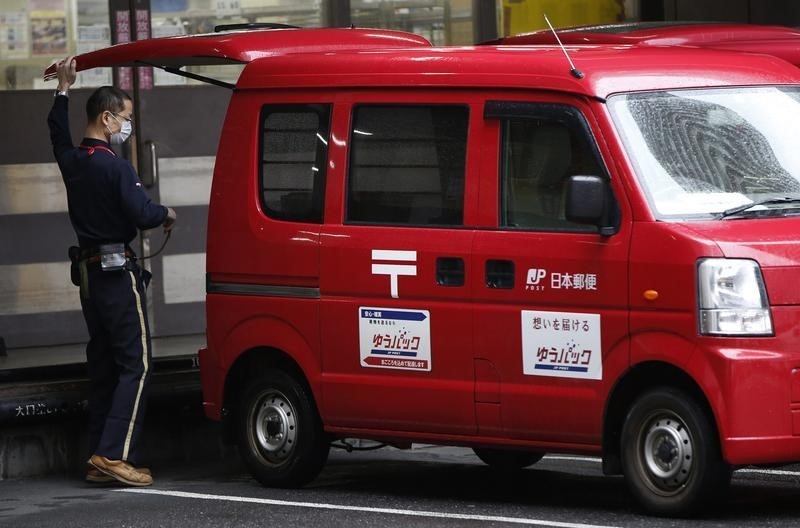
point(237, 47)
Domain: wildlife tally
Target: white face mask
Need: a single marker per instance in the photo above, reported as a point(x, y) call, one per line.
point(118, 138)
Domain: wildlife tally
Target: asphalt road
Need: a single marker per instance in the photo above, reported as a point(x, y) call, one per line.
point(426, 486)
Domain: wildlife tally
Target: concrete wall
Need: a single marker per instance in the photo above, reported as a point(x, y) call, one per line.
point(176, 432)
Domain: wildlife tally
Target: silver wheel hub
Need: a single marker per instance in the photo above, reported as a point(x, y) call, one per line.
point(275, 426)
point(668, 452)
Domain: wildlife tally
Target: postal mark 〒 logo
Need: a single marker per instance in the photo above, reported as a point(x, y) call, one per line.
point(385, 262)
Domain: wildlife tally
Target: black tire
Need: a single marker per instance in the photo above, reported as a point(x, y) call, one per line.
point(506, 459)
point(671, 455)
point(279, 431)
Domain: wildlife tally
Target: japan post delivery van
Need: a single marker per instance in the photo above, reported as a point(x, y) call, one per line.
point(491, 247)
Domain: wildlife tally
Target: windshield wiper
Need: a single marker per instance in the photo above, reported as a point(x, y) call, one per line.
point(769, 201)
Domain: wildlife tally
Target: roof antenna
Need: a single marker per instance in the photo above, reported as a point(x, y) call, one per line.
point(575, 72)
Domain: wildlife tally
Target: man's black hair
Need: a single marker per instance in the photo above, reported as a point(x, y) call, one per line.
point(106, 98)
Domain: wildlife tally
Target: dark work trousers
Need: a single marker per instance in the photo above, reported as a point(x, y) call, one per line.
point(119, 359)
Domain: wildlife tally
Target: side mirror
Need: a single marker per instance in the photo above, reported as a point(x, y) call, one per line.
point(589, 201)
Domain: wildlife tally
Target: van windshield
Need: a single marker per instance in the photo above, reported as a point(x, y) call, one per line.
point(710, 153)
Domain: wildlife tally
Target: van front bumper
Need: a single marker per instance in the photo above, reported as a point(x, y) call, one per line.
point(754, 387)
point(762, 450)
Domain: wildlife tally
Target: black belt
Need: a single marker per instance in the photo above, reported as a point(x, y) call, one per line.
point(92, 254)
point(96, 257)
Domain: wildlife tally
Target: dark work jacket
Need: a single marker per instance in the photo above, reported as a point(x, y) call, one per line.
point(107, 203)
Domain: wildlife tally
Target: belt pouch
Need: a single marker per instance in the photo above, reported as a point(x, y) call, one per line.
point(84, 283)
point(74, 253)
point(112, 257)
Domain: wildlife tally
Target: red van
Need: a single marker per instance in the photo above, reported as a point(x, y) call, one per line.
point(484, 246)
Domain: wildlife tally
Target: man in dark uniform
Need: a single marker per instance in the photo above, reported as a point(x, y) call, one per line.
point(107, 206)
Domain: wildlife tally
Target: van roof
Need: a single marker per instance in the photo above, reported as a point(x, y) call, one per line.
point(608, 69)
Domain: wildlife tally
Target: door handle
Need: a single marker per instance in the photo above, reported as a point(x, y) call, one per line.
point(449, 271)
point(500, 274)
point(151, 179)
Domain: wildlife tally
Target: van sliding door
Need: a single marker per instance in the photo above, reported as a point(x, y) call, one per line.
point(396, 317)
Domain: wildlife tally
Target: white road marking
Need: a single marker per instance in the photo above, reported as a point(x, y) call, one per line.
point(388, 511)
point(756, 471)
point(573, 458)
point(780, 472)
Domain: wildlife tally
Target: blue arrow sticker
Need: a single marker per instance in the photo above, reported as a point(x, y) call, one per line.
point(392, 314)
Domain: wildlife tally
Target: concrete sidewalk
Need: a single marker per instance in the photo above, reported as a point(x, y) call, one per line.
point(43, 401)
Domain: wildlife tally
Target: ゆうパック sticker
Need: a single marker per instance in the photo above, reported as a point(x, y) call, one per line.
point(561, 344)
point(395, 338)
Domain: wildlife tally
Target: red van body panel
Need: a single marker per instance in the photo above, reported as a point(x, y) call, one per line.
point(749, 375)
point(440, 400)
point(251, 253)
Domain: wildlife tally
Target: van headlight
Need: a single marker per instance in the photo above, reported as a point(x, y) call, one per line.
point(732, 299)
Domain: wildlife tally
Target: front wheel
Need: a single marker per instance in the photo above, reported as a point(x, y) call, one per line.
point(279, 431)
point(507, 460)
point(670, 454)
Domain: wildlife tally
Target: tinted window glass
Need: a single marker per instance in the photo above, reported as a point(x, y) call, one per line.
point(538, 156)
point(294, 153)
point(407, 165)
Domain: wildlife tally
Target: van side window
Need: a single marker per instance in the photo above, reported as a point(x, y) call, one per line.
point(538, 155)
point(407, 165)
point(294, 147)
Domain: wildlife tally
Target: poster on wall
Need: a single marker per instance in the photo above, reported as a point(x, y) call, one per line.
point(47, 5)
point(122, 31)
point(48, 33)
point(226, 8)
point(143, 33)
point(13, 35)
point(169, 28)
point(48, 26)
point(92, 38)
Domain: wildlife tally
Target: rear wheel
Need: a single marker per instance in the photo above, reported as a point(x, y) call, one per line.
point(670, 454)
point(279, 431)
point(507, 460)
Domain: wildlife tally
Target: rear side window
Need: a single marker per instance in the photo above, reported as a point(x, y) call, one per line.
point(407, 165)
point(294, 148)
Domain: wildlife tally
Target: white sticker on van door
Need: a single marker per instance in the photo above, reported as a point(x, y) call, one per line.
point(561, 344)
point(395, 338)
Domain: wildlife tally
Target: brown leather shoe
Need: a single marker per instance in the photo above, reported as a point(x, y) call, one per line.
point(121, 471)
point(96, 476)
